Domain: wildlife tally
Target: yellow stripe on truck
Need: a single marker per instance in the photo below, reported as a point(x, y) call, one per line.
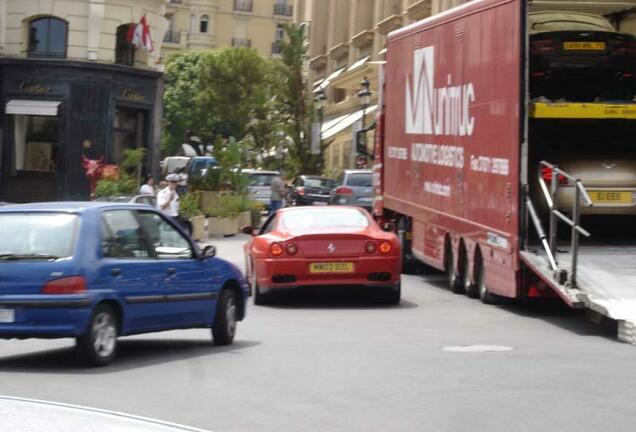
point(568, 110)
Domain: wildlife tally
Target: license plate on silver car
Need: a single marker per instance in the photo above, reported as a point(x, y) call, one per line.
point(7, 315)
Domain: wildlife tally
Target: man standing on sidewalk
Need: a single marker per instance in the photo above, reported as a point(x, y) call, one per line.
point(278, 194)
point(168, 198)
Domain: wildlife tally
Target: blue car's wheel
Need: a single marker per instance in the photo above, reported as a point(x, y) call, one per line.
point(226, 318)
point(98, 345)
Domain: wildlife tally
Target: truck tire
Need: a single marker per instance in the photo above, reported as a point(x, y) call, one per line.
point(480, 280)
point(224, 327)
point(469, 287)
point(98, 346)
point(454, 281)
point(409, 265)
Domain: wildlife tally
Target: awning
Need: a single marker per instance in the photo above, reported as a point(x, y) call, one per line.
point(32, 107)
point(327, 80)
point(344, 122)
point(358, 64)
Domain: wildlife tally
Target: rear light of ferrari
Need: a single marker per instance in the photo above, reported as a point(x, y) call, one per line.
point(385, 247)
point(343, 190)
point(291, 249)
point(370, 247)
point(276, 249)
point(67, 285)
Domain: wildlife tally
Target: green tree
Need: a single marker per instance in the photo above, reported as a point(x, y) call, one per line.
point(295, 103)
point(184, 84)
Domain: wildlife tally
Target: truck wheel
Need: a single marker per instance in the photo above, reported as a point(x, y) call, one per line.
point(485, 296)
point(409, 266)
point(226, 318)
point(454, 282)
point(98, 346)
point(469, 287)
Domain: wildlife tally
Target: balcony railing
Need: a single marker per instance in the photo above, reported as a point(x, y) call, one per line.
point(277, 47)
point(172, 37)
point(243, 5)
point(283, 9)
point(176, 1)
point(239, 42)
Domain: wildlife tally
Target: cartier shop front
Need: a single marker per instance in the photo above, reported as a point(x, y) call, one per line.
point(53, 112)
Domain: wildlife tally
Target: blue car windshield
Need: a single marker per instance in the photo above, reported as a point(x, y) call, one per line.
point(37, 235)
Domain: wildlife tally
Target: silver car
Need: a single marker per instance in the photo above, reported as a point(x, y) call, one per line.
point(355, 187)
point(259, 187)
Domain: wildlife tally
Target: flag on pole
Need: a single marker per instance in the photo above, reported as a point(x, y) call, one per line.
point(139, 35)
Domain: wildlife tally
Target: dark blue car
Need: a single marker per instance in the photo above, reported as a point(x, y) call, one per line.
point(96, 271)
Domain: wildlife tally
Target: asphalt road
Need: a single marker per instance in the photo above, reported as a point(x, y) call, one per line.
point(333, 362)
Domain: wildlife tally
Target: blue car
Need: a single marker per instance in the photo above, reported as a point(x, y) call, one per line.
point(95, 271)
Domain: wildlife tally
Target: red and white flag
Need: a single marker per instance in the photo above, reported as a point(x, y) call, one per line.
point(139, 35)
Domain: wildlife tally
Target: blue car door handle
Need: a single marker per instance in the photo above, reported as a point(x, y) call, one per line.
point(171, 270)
point(115, 271)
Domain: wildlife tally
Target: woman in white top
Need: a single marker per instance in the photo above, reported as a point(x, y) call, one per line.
point(148, 188)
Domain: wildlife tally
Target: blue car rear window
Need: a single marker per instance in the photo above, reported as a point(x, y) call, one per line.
point(37, 234)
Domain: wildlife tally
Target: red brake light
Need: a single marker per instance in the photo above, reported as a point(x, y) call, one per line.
point(542, 46)
point(67, 285)
point(276, 249)
point(385, 247)
point(300, 191)
point(342, 190)
point(370, 247)
point(292, 249)
point(546, 173)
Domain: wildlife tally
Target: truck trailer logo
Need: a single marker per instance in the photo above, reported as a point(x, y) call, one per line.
point(438, 111)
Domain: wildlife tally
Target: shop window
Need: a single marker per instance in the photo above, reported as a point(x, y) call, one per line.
point(129, 130)
point(47, 37)
point(124, 50)
point(203, 24)
point(36, 139)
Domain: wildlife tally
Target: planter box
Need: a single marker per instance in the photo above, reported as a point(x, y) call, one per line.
point(198, 227)
point(245, 220)
point(229, 226)
point(208, 199)
point(215, 229)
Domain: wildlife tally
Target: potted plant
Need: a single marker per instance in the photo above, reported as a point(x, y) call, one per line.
point(189, 209)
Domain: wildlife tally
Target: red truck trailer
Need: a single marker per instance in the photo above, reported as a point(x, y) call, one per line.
point(455, 165)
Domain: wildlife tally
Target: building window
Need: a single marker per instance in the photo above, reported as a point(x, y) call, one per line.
point(47, 37)
point(124, 50)
point(130, 128)
point(203, 24)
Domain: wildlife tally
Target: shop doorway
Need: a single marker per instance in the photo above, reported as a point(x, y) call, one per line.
point(130, 131)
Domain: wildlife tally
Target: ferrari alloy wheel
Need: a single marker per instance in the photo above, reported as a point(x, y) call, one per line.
point(394, 294)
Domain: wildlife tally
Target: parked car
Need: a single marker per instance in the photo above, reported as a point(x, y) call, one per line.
point(173, 164)
point(259, 186)
point(610, 182)
point(318, 246)
point(354, 187)
point(579, 56)
point(310, 190)
point(95, 271)
point(150, 200)
point(198, 166)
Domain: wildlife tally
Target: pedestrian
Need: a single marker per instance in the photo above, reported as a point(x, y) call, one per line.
point(168, 198)
point(148, 188)
point(278, 192)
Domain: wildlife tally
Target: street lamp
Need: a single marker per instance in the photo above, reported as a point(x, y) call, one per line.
point(364, 96)
point(321, 101)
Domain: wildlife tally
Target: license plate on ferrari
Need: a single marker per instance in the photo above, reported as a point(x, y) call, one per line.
point(611, 197)
point(7, 315)
point(331, 267)
point(584, 46)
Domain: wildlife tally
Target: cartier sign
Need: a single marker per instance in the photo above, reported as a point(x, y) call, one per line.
point(34, 88)
point(133, 96)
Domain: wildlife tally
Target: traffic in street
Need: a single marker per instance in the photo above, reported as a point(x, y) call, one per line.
point(340, 361)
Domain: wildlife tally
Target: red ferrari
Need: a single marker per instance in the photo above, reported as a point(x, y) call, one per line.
point(323, 246)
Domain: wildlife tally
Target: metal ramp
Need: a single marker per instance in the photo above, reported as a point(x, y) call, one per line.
point(599, 277)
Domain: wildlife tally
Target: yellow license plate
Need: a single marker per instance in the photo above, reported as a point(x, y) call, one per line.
point(584, 46)
point(611, 197)
point(331, 267)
